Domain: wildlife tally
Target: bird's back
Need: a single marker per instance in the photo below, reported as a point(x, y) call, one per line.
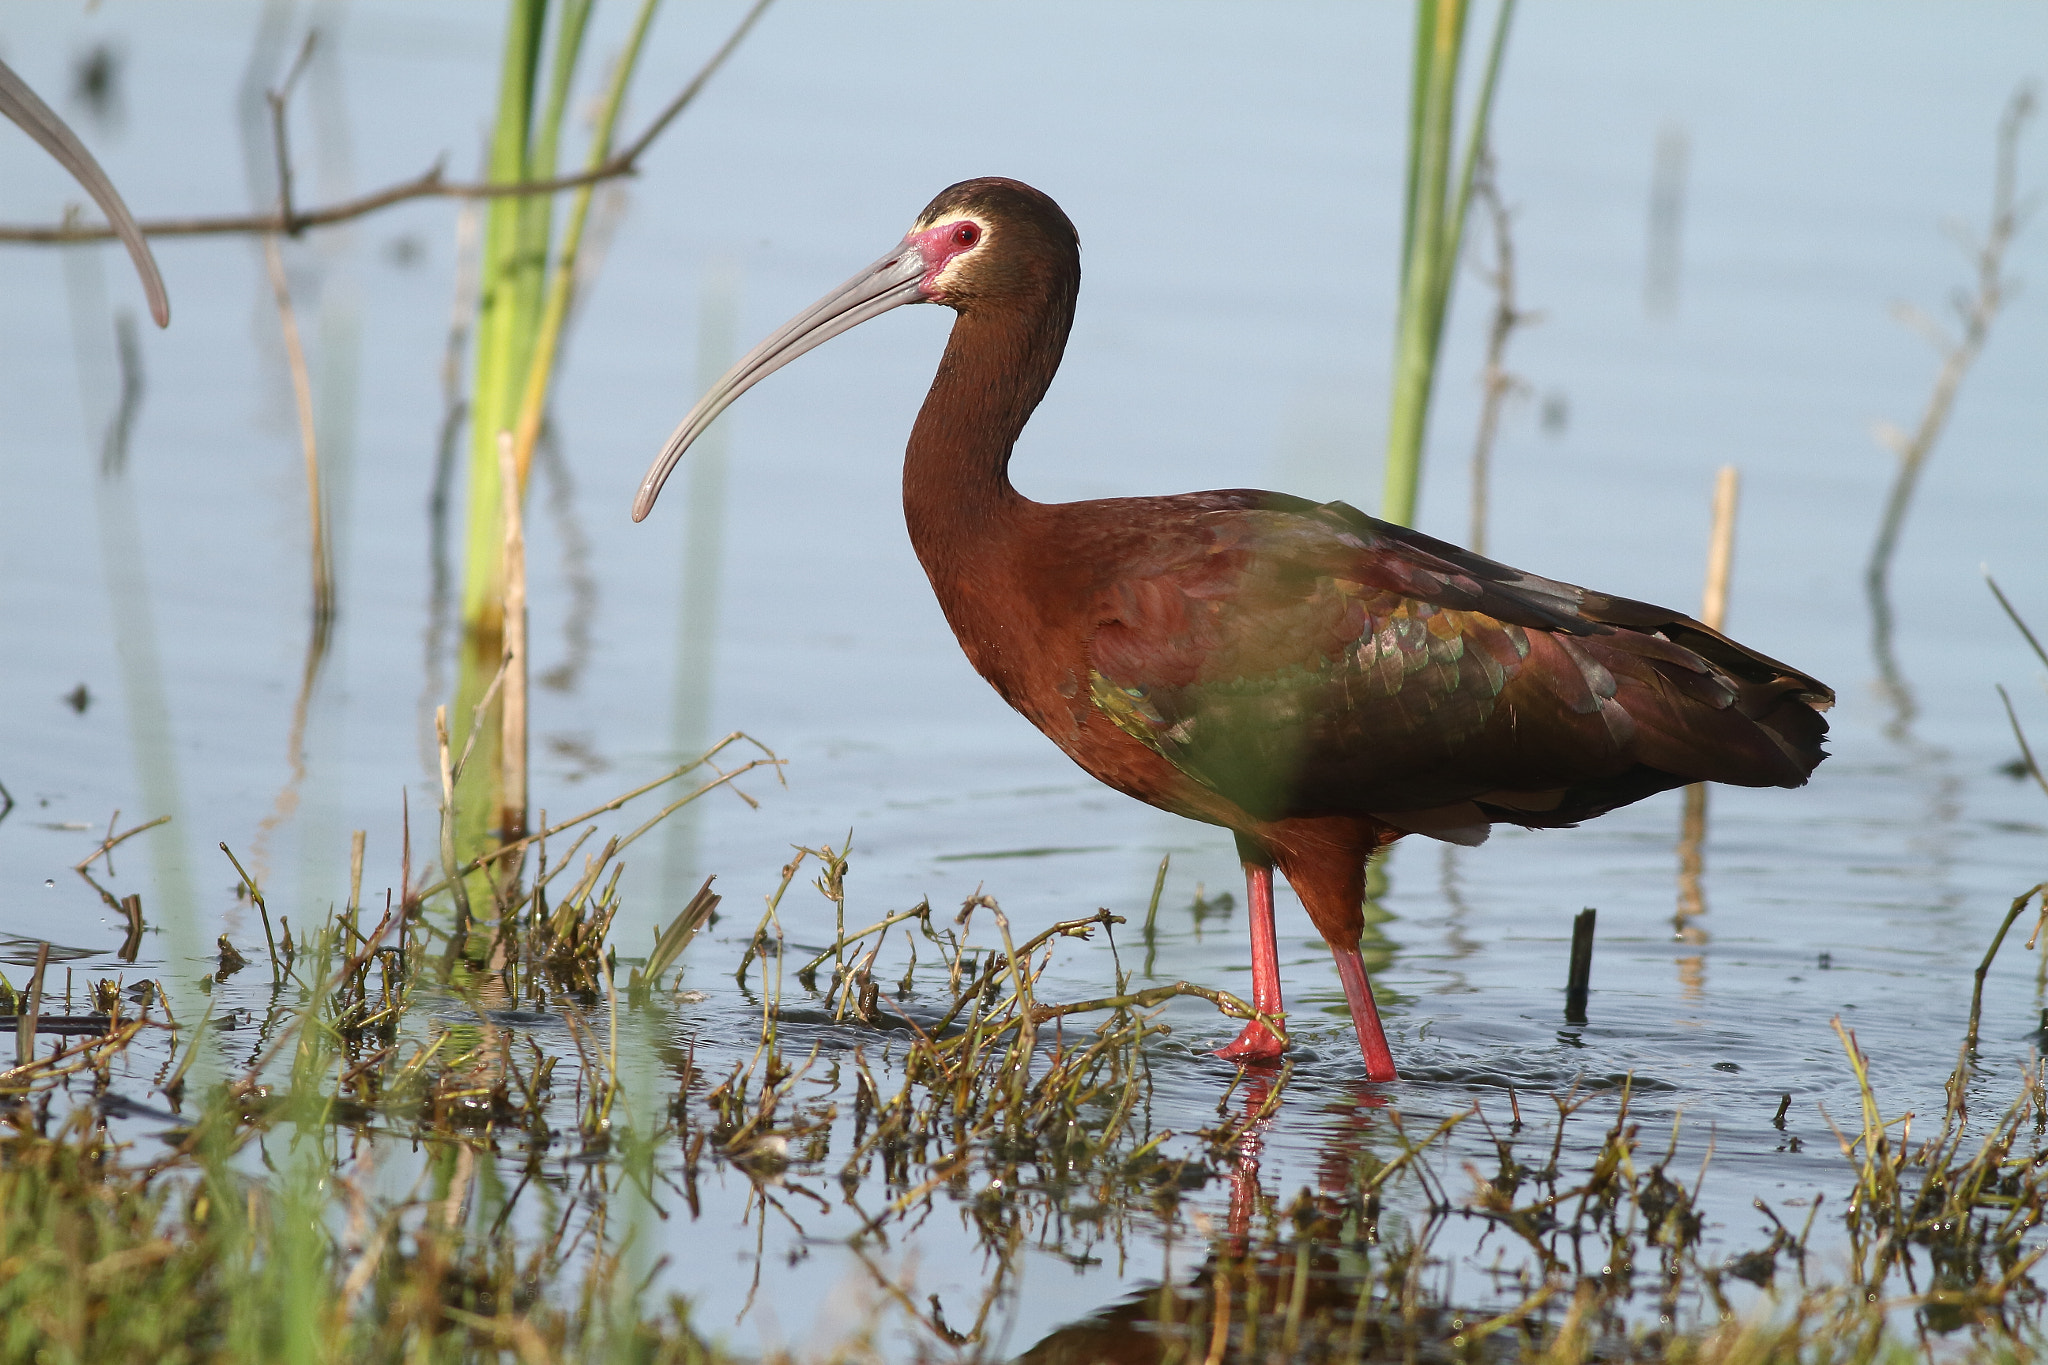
point(1305, 659)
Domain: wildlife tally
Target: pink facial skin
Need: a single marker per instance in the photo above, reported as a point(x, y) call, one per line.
point(939, 245)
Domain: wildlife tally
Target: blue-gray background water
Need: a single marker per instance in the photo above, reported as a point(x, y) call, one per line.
point(1235, 173)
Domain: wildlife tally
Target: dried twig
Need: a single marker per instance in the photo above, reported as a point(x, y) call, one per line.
point(2026, 750)
point(302, 394)
point(292, 221)
point(514, 670)
point(1496, 383)
point(2013, 615)
point(1975, 313)
point(113, 841)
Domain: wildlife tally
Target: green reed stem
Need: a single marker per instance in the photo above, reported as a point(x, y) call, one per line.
point(525, 304)
point(561, 288)
point(509, 298)
point(1433, 228)
point(508, 306)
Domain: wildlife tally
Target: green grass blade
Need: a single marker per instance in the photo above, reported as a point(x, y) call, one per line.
point(1436, 77)
point(1418, 94)
point(512, 278)
point(494, 337)
point(1433, 230)
point(561, 288)
point(569, 31)
point(1475, 139)
point(536, 219)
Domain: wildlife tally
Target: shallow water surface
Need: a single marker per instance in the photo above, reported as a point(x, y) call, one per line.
point(1234, 172)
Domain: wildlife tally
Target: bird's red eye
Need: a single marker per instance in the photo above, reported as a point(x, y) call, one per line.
point(966, 235)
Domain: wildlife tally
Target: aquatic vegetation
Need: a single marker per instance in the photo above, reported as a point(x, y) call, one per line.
point(450, 1128)
point(1433, 227)
point(523, 304)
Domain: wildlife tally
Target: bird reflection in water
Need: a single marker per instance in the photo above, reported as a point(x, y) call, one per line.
point(1273, 1276)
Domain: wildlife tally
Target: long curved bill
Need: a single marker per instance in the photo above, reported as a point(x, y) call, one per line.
point(889, 283)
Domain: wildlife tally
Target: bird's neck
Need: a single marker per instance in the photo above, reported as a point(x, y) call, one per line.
point(956, 473)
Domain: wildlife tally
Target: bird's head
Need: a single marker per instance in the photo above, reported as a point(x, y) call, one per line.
point(980, 244)
point(992, 240)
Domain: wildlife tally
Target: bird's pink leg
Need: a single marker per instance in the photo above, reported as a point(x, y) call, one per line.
point(1259, 1043)
point(1365, 1016)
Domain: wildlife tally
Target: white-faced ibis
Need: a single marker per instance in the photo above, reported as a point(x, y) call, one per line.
point(1315, 680)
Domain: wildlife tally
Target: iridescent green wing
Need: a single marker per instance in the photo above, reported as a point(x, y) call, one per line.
point(1305, 659)
point(1291, 663)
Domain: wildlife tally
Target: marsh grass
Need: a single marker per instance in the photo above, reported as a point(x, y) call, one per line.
point(1439, 193)
point(251, 1227)
point(448, 1137)
point(528, 277)
point(1940, 1259)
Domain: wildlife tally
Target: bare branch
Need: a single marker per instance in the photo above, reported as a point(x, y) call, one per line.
point(279, 99)
point(2013, 615)
point(1976, 309)
point(429, 185)
point(113, 841)
point(1497, 383)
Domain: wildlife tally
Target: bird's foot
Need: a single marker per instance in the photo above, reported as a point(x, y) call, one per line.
point(1256, 1045)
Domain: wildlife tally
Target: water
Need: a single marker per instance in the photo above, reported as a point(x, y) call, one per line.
point(1234, 173)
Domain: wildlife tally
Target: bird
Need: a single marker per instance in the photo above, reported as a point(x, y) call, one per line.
point(1315, 680)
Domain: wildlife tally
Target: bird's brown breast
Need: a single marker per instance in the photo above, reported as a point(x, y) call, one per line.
point(1026, 616)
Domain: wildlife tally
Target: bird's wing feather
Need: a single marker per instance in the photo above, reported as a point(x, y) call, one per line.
point(1307, 659)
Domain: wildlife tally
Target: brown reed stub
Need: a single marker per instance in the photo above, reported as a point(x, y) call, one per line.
point(25, 1025)
point(1578, 981)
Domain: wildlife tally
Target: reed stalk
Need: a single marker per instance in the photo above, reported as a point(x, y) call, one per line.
point(1433, 227)
point(301, 376)
point(512, 732)
point(521, 315)
point(1721, 547)
point(1692, 828)
point(561, 293)
point(507, 308)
